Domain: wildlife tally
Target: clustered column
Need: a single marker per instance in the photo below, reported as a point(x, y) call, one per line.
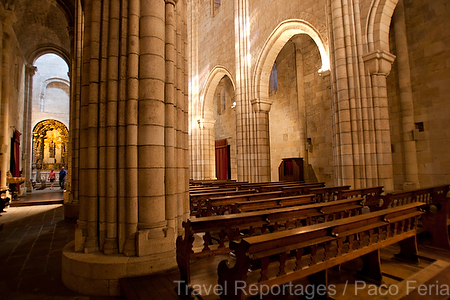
point(132, 161)
point(6, 22)
point(28, 137)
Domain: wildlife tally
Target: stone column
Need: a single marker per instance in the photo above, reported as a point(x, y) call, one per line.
point(3, 185)
point(406, 99)
point(75, 84)
point(8, 18)
point(123, 101)
point(151, 112)
point(131, 122)
point(28, 134)
point(301, 103)
point(207, 148)
point(89, 112)
point(378, 65)
point(261, 107)
point(171, 107)
point(112, 93)
point(183, 188)
point(247, 157)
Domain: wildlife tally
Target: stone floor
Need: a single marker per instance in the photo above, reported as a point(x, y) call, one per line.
point(31, 243)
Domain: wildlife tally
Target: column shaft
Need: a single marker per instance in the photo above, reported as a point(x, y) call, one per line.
point(112, 128)
point(406, 99)
point(170, 114)
point(151, 120)
point(131, 166)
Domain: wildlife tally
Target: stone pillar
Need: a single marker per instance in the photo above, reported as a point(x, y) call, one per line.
point(171, 108)
point(3, 185)
point(247, 156)
point(129, 100)
point(261, 107)
point(75, 94)
point(343, 135)
point(112, 123)
point(151, 120)
point(8, 18)
point(378, 65)
point(207, 148)
point(28, 134)
point(302, 122)
point(411, 180)
point(131, 122)
point(89, 123)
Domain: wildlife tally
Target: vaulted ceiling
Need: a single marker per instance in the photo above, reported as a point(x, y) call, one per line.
point(42, 26)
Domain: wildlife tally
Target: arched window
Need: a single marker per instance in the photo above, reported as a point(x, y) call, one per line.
point(215, 5)
point(273, 81)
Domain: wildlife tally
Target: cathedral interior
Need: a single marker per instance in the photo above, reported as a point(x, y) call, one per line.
point(146, 103)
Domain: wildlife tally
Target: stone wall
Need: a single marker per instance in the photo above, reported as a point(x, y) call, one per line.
point(428, 44)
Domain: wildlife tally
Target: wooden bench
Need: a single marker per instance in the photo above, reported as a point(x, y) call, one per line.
point(198, 201)
point(272, 260)
point(326, 194)
point(272, 203)
point(436, 223)
point(234, 227)
point(302, 187)
point(225, 204)
point(372, 196)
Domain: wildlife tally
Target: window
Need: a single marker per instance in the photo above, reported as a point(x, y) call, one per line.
point(273, 81)
point(215, 5)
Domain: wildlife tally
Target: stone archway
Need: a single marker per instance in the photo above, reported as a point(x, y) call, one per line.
point(50, 148)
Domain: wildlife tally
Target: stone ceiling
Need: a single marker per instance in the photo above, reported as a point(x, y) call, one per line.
point(42, 26)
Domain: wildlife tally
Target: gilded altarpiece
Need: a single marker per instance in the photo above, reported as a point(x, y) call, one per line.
point(50, 144)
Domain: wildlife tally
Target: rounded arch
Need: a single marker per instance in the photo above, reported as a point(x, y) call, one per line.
point(44, 87)
point(276, 41)
point(207, 92)
point(378, 23)
point(48, 49)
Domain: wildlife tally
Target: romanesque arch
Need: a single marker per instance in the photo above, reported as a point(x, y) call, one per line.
point(207, 93)
point(203, 131)
point(378, 22)
point(276, 41)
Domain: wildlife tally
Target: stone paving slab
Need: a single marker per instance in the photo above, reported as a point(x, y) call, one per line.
point(31, 244)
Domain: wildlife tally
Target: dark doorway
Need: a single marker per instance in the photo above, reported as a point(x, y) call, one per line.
point(223, 160)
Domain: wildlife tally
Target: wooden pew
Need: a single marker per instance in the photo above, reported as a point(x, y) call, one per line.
point(198, 201)
point(292, 189)
point(232, 227)
point(437, 223)
point(275, 259)
point(272, 203)
point(372, 195)
point(326, 194)
point(225, 204)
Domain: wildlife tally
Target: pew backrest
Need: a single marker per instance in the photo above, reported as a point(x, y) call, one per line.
point(285, 256)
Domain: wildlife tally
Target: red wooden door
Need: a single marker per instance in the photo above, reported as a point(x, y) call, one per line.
point(222, 160)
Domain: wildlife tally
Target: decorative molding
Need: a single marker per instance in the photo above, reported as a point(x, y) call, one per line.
point(261, 105)
point(379, 62)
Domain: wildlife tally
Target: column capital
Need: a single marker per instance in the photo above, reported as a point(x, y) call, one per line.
point(8, 18)
point(261, 105)
point(205, 124)
point(174, 2)
point(379, 62)
point(30, 69)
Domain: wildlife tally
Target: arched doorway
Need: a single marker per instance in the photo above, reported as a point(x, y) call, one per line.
point(50, 148)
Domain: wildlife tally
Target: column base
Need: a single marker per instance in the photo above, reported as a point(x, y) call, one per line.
point(97, 274)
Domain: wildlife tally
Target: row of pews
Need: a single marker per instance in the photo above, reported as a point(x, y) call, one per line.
point(279, 232)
